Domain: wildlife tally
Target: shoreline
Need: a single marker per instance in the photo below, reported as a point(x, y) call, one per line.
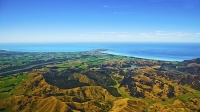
point(145, 57)
point(106, 51)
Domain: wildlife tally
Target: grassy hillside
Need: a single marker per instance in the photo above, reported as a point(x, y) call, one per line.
point(94, 81)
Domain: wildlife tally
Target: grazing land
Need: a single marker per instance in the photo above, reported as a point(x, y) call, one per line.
point(95, 81)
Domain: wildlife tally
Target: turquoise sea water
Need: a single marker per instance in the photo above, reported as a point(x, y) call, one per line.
point(158, 51)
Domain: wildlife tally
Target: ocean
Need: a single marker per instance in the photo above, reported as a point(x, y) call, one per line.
point(157, 51)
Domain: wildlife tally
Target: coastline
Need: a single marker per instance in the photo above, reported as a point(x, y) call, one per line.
point(155, 51)
point(144, 57)
point(108, 51)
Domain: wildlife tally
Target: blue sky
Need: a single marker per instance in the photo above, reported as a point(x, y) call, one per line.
point(39, 21)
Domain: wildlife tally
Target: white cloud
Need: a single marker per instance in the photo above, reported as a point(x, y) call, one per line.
point(82, 35)
point(105, 6)
point(163, 33)
point(124, 36)
point(165, 36)
point(159, 31)
point(147, 35)
point(182, 34)
point(143, 34)
point(197, 33)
